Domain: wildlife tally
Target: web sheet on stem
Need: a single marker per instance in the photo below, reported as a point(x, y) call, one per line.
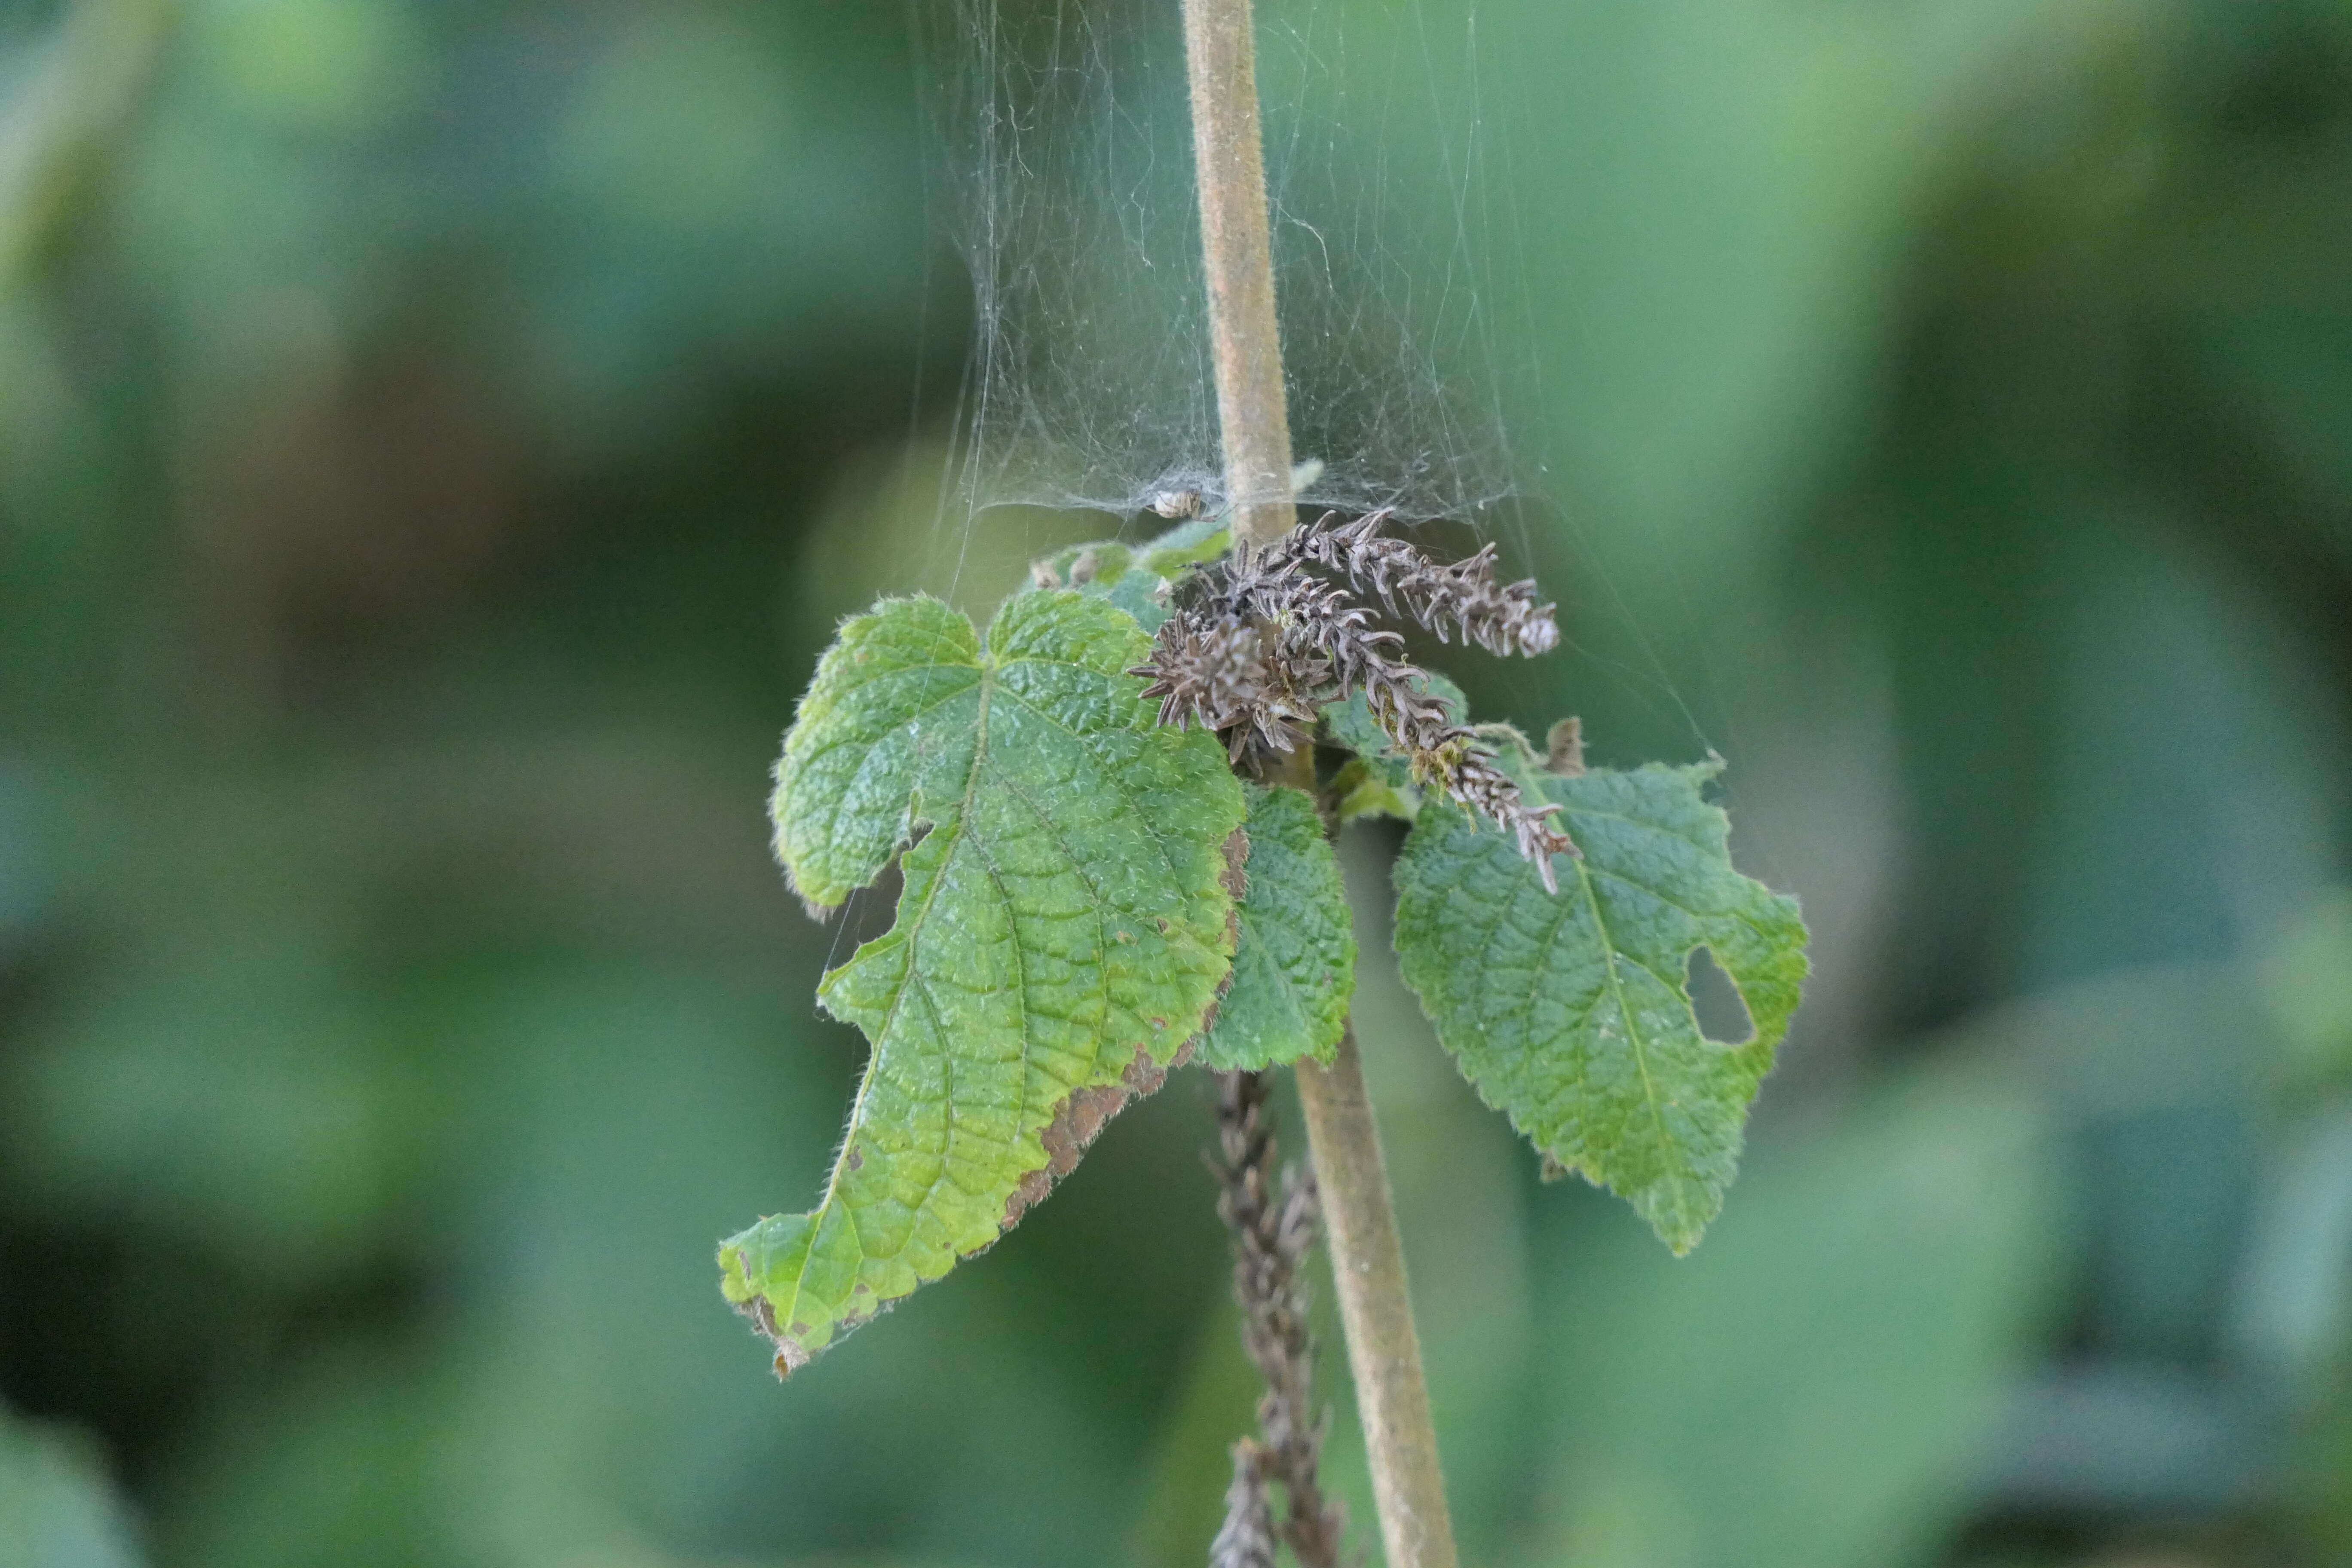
point(1060, 158)
point(1063, 165)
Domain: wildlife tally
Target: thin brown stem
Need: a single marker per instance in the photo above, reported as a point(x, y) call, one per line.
point(1376, 1310)
point(1245, 339)
point(1383, 1350)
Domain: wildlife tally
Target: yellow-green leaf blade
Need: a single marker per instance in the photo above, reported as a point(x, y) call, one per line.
point(897, 695)
point(1062, 929)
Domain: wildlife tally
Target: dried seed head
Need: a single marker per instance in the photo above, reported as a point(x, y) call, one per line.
point(1272, 1236)
point(1462, 599)
point(1257, 645)
point(1218, 673)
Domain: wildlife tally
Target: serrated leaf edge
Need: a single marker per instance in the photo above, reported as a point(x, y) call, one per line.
point(1075, 1120)
point(1764, 1042)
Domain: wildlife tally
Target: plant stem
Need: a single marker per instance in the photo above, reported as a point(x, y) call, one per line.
point(1245, 339)
point(1367, 1262)
point(1376, 1311)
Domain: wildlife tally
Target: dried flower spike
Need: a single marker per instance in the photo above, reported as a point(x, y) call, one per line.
point(1272, 1236)
point(1464, 596)
point(1258, 645)
point(1246, 1539)
point(1216, 671)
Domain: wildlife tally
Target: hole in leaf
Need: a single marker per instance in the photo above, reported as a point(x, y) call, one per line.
point(1722, 1016)
point(869, 913)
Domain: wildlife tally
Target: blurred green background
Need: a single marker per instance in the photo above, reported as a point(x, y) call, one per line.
point(435, 439)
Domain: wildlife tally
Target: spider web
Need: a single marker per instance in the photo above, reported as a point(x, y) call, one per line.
point(1060, 156)
point(1063, 164)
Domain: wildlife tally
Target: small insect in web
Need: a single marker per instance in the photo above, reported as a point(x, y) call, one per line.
point(1185, 503)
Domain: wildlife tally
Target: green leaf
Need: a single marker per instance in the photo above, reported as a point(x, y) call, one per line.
point(1295, 971)
point(1136, 592)
point(1135, 577)
point(56, 1501)
point(1348, 723)
point(1100, 562)
point(1188, 544)
point(1105, 570)
point(1374, 787)
point(1063, 924)
point(1570, 1012)
point(1377, 781)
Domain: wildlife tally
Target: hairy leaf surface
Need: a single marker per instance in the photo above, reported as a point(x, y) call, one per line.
point(1295, 971)
point(1063, 924)
point(1570, 1012)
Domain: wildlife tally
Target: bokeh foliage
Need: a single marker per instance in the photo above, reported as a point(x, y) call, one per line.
point(435, 441)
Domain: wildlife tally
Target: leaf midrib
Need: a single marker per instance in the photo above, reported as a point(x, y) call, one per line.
point(1617, 996)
